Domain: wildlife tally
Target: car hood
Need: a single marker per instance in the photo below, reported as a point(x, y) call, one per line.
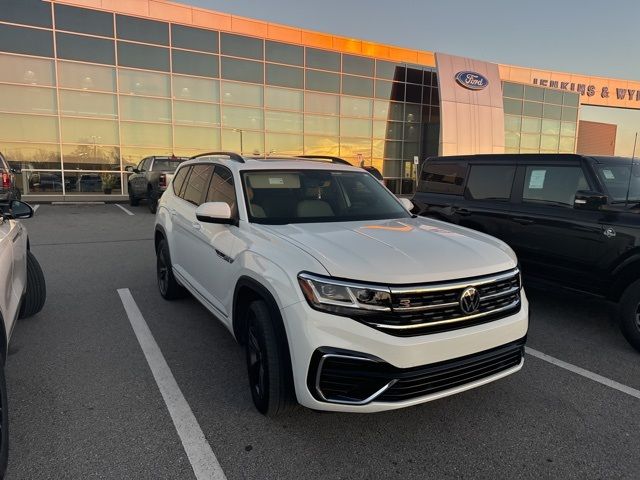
point(414, 250)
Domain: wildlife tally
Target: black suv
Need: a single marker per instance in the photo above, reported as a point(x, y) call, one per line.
point(8, 188)
point(573, 220)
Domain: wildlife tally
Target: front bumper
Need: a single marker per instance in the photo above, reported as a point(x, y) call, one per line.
point(312, 335)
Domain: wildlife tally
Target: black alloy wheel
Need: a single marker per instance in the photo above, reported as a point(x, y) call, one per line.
point(169, 287)
point(152, 201)
point(133, 201)
point(255, 363)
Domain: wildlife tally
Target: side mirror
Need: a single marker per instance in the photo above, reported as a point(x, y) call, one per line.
point(406, 203)
point(215, 212)
point(128, 168)
point(589, 200)
point(16, 210)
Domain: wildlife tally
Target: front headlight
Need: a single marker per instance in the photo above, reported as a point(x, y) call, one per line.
point(337, 296)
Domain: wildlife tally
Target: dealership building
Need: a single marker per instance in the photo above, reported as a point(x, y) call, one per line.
point(89, 87)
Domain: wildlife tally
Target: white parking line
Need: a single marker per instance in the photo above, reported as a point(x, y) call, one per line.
point(203, 461)
point(585, 373)
point(35, 208)
point(124, 209)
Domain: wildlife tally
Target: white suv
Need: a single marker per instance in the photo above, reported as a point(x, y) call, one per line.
point(344, 300)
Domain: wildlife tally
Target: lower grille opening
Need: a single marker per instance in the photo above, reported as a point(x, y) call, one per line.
point(348, 377)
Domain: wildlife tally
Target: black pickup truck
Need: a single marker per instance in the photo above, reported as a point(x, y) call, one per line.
point(573, 220)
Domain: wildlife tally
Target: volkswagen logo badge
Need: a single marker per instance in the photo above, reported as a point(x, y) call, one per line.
point(470, 300)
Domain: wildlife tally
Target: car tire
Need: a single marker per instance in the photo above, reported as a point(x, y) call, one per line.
point(133, 201)
point(268, 367)
point(629, 314)
point(36, 293)
point(169, 287)
point(152, 201)
point(4, 422)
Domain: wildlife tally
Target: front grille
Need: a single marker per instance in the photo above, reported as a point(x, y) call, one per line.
point(352, 379)
point(435, 308)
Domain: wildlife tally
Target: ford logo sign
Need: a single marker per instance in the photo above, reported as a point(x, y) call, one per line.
point(471, 80)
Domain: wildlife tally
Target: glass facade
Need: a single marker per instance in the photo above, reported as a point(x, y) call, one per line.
point(539, 120)
point(85, 93)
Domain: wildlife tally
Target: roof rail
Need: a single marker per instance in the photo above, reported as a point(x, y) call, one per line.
point(232, 156)
point(339, 160)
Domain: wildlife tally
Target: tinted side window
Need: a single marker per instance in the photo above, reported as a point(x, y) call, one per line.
point(443, 178)
point(178, 180)
point(490, 182)
point(221, 189)
point(556, 185)
point(197, 183)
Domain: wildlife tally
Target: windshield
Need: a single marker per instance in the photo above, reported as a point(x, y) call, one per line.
point(306, 196)
point(167, 165)
point(616, 179)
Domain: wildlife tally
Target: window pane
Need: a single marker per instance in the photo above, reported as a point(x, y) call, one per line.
point(133, 155)
point(549, 142)
point(26, 40)
point(242, 70)
point(512, 140)
point(414, 75)
point(531, 125)
point(396, 111)
point(362, 87)
point(551, 127)
point(393, 130)
point(532, 109)
point(146, 134)
point(533, 93)
point(567, 144)
point(442, 178)
point(283, 144)
point(553, 96)
point(242, 94)
point(356, 107)
point(552, 111)
point(85, 104)
point(190, 88)
point(30, 156)
point(389, 149)
point(380, 109)
point(571, 99)
point(568, 128)
point(145, 109)
point(142, 30)
point(323, 81)
point(323, 59)
point(321, 145)
point(283, 122)
point(23, 99)
point(513, 107)
point(197, 137)
point(194, 38)
point(384, 89)
point(87, 77)
point(27, 12)
point(221, 189)
point(412, 113)
point(569, 114)
point(412, 133)
point(87, 49)
point(530, 141)
point(196, 113)
point(321, 125)
point(239, 117)
point(553, 184)
point(284, 53)
point(241, 46)
point(179, 179)
point(357, 65)
point(490, 182)
point(512, 90)
point(191, 63)
point(84, 20)
point(390, 71)
point(143, 56)
point(512, 123)
point(413, 93)
point(28, 128)
point(99, 132)
point(284, 76)
point(318, 103)
point(88, 157)
point(285, 99)
point(30, 71)
point(197, 183)
point(143, 83)
point(252, 142)
point(352, 148)
point(350, 127)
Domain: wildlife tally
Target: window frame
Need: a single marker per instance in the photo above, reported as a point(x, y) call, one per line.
point(206, 183)
point(507, 199)
point(235, 212)
point(521, 177)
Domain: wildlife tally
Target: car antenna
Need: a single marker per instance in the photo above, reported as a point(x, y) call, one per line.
point(633, 157)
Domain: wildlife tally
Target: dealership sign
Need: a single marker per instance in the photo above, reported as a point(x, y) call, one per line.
point(471, 80)
point(593, 90)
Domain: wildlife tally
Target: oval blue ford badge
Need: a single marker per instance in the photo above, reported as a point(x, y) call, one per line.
point(471, 80)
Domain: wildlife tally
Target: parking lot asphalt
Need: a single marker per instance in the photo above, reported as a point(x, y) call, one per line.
point(84, 404)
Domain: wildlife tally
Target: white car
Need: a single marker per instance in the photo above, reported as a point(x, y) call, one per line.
point(22, 294)
point(344, 300)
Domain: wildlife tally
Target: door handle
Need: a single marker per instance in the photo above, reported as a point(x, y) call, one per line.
point(462, 211)
point(523, 220)
point(172, 212)
point(196, 226)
